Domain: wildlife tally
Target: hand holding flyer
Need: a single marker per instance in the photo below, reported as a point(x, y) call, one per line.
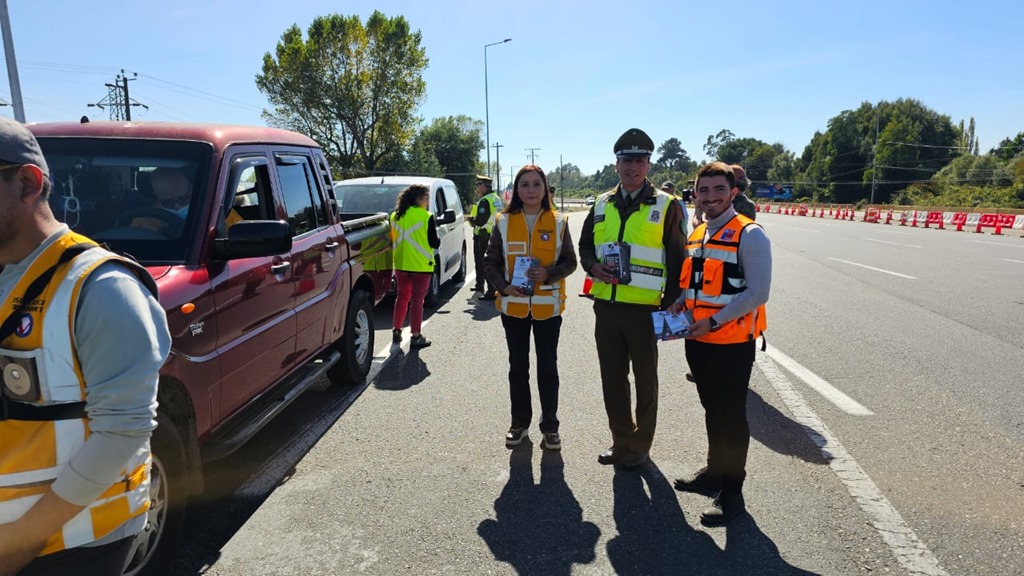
point(615, 255)
point(668, 326)
point(520, 279)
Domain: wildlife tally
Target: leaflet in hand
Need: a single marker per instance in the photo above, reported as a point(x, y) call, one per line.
point(615, 255)
point(519, 278)
point(669, 326)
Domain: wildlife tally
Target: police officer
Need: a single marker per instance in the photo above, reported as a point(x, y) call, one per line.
point(741, 203)
point(726, 278)
point(651, 223)
point(482, 218)
point(75, 421)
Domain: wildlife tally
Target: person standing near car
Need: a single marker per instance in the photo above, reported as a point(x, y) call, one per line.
point(414, 239)
point(530, 227)
point(75, 421)
point(726, 279)
point(482, 218)
point(650, 222)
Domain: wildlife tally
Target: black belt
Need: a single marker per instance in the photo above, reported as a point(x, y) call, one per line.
point(11, 410)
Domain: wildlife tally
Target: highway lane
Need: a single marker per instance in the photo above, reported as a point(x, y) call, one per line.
point(407, 473)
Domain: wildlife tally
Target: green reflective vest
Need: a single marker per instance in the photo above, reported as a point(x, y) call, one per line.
point(410, 241)
point(495, 201)
point(644, 231)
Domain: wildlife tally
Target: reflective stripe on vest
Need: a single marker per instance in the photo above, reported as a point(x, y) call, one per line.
point(711, 278)
point(645, 233)
point(34, 453)
point(495, 201)
point(412, 252)
point(544, 244)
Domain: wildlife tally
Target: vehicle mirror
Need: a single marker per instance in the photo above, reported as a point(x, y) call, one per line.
point(255, 238)
point(448, 217)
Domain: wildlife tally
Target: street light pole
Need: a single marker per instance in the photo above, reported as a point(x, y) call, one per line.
point(497, 162)
point(487, 113)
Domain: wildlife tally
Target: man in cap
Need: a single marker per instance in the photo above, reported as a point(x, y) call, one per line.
point(741, 203)
point(482, 217)
point(643, 227)
point(75, 422)
point(669, 187)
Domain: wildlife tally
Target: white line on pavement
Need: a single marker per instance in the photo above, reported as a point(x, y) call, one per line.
point(893, 243)
point(806, 229)
point(819, 384)
point(909, 551)
point(896, 232)
point(873, 268)
point(1000, 244)
point(1017, 261)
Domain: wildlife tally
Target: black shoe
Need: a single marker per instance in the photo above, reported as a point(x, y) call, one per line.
point(700, 482)
point(634, 461)
point(515, 436)
point(478, 289)
point(727, 505)
point(689, 377)
point(488, 296)
point(610, 456)
point(396, 336)
point(418, 341)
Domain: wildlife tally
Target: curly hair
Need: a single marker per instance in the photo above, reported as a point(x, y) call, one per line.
point(408, 198)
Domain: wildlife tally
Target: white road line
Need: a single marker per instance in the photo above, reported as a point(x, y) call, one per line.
point(819, 384)
point(873, 268)
point(1000, 244)
point(893, 243)
point(909, 551)
point(806, 229)
point(896, 232)
point(1017, 261)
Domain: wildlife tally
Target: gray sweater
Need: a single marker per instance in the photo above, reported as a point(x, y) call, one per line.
point(755, 256)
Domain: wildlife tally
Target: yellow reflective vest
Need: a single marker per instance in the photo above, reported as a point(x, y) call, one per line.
point(495, 201)
point(644, 231)
point(544, 244)
point(412, 251)
point(711, 278)
point(41, 371)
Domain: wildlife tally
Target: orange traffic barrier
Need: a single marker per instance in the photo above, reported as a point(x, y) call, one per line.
point(934, 218)
point(997, 221)
point(871, 214)
point(959, 219)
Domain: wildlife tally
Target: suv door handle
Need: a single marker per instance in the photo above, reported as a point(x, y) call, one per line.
point(280, 268)
point(332, 246)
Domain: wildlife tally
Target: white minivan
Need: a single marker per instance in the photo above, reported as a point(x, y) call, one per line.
point(378, 194)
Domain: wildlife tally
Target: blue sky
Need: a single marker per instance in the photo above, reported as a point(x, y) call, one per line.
point(573, 78)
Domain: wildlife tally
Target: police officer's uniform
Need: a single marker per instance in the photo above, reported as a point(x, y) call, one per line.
point(483, 216)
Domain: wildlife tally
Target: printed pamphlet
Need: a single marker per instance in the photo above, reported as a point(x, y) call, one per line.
point(519, 278)
point(669, 326)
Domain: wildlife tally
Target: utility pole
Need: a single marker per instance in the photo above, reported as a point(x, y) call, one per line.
point(118, 100)
point(497, 162)
point(12, 63)
point(532, 155)
point(874, 163)
point(561, 179)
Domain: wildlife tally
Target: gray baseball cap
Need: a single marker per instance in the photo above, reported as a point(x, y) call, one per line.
point(19, 146)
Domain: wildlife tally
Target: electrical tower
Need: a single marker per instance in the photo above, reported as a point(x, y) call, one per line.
point(532, 154)
point(117, 99)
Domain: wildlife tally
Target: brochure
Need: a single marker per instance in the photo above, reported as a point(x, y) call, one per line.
point(519, 278)
point(616, 257)
point(668, 326)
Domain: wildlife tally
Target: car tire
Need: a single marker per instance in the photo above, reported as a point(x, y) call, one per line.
point(356, 345)
point(156, 547)
point(433, 297)
point(460, 276)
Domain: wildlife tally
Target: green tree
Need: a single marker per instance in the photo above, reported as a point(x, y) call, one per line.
point(352, 88)
point(675, 157)
point(456, 143)
point(716, 141)
point(783, 169)
point(1009, 147)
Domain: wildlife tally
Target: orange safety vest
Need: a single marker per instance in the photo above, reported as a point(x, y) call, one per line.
point(33, 453)
point(711, 278)
point(544, 244)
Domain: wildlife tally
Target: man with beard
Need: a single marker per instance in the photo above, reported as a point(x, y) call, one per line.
point(725, 279)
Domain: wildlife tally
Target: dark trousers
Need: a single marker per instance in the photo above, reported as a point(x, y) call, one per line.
point(722, 374)
point(545, 341)
point(106, 560)
point(625, 334)
point(479, 248)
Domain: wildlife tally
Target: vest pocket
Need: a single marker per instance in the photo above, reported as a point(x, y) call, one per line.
point(714, 270)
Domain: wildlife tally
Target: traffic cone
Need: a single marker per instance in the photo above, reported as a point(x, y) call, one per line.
point(588, 283)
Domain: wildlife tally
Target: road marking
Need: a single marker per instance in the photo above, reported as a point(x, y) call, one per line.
point(896, 232)
point(999, 244)
point(1017, 261)
point(819, 384)
point(893, 243)
point(909, 551)
point(807, 230)
point(873, 268)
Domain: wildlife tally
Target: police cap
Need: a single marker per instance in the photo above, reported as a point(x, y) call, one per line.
point(483, 179)
point(634, 142)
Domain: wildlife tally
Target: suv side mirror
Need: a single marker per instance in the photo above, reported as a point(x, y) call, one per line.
point(448, 217)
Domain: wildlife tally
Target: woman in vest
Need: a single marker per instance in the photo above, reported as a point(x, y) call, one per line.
point(528, 258)
point(414, 238)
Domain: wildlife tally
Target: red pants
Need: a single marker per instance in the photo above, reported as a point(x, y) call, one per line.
point(412, 289)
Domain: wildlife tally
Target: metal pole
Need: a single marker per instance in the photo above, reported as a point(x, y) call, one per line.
point(874, 163)
point(12, 63)
point(497, 164)
point(561, 179)
point(487, 112)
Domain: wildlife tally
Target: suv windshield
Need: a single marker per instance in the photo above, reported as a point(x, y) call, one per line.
point(367, 198)
point(139, 197)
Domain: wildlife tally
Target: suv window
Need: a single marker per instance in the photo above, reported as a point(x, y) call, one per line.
point(439, 201)
point(140, 197)
point(248, 192)
point(302, 199)
point(452, 197)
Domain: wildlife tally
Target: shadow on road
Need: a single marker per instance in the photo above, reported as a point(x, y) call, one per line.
point(778, 432)
point(405, 370)
point(539, 528)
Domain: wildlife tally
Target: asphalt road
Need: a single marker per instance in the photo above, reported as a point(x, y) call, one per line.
point(887, 420)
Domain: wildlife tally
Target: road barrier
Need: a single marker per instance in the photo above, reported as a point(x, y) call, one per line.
point(934, 218)
point(912, 217)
